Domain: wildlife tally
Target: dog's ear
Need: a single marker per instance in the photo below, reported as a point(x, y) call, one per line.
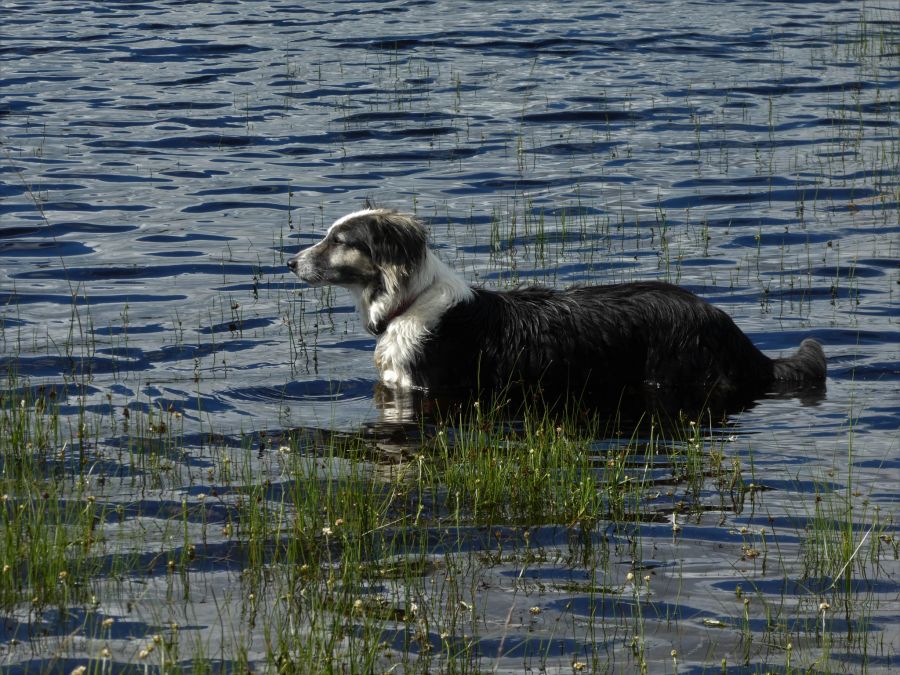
point(397, 240)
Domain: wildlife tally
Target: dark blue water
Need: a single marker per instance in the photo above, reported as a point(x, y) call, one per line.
point(160, 161)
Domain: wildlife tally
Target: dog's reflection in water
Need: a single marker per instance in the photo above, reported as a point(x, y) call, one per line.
point(411, 423)
point(407, 415)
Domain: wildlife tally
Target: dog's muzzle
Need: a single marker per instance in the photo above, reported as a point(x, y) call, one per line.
point(303, 268)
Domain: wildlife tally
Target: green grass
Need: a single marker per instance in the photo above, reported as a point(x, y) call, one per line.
point(342, 562)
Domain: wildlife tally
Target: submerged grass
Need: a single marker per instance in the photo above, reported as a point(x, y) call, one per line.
point(341, 552)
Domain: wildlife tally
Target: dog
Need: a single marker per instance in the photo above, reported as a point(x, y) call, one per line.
point(435, 332)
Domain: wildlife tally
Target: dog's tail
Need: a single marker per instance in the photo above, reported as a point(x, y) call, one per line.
point(807, 366)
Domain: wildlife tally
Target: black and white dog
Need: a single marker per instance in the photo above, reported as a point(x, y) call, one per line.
point(436, 332)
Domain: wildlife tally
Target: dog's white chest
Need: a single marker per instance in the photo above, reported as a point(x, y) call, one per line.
point(396, 351)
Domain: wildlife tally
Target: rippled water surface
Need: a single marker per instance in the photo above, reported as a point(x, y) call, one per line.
point(160, 161)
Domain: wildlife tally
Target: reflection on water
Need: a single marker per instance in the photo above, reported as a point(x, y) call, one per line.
point(162, 160)
point(411, 409)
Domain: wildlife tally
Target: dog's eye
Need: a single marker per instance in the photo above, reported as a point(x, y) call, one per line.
point(349, 242)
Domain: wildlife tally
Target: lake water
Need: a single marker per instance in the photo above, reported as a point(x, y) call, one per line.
point(160, 161)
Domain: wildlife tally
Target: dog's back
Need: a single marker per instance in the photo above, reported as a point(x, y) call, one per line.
point(600, 338)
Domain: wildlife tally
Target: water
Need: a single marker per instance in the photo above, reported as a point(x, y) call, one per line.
point(162, 160)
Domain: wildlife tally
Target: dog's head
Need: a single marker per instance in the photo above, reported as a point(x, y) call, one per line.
point(363, 249)
point(374, 253)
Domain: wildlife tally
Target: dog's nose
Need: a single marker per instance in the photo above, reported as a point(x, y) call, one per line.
point(292, 264)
